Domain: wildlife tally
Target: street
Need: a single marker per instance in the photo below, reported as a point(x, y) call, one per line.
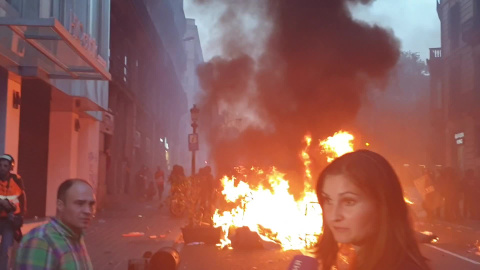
point(456, 247)
point(110, 250)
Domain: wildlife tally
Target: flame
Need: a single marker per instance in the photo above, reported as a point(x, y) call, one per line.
point(337, 145)
point(407, 200)
point(270, 209)
point(271, 212)
point(306, 157)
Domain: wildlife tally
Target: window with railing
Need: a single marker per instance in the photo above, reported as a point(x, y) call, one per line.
point(435, 53)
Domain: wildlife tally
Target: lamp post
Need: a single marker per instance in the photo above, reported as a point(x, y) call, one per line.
point(193, 138)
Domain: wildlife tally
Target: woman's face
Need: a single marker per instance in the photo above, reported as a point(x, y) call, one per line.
point(349, 213)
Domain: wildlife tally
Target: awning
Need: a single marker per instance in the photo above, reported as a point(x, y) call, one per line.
point(43, 45)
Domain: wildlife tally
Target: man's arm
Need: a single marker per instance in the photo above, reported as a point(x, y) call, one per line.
point(23, 197)
point(35, 254)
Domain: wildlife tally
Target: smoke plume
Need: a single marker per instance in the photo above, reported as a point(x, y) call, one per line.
point(288, 68)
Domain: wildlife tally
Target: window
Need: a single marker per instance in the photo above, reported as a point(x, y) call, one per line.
point(454, 26)
point(454, 90)
point(95, 20)
point(476, 14)
point(477, 141)
point(16, 4)
point(45, 9)
point(80, 9)
point(476, 82)
point(439, 95)
point(58, 11)
point(125, 69)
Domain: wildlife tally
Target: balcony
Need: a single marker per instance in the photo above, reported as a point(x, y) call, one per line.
point(435, 60)
point(435, 53)
point(471, 31)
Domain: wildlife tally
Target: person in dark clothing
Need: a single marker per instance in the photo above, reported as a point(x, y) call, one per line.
point(140, 182)
point(160, 182)
point(206, 186)
point(452, 194)
point(367, 224)
point(469, 193)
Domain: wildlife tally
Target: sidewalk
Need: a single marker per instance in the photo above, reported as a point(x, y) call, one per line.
point(110, 250)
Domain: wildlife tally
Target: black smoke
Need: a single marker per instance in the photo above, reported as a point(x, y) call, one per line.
point(303, 67)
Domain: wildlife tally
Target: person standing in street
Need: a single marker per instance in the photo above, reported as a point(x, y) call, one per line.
point(59, 244)
point(12, 207)
point(160, 182)
point(469, 193)
point(140, 182)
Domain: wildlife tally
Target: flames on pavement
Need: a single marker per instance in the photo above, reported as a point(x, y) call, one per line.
point(269, 208)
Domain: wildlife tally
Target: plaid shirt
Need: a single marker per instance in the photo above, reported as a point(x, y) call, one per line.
point(52, 246)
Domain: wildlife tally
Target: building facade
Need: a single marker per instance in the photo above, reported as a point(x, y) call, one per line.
point(54, 73)
point(146, 97)
point(455, 86)
point(192, 87)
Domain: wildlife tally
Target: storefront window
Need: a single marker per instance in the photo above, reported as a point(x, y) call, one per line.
point(16, 4)
point(95, 20)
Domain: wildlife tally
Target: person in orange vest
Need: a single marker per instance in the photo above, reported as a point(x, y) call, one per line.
point(12, 207)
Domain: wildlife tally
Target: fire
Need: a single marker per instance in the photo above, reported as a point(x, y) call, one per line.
point(271, 210)
point(407, 200)
point(306, 157)
point(337, 145)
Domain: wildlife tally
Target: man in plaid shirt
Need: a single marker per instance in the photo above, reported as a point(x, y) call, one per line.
point(59, 243)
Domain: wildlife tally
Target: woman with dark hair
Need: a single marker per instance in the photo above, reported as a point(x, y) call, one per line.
point(365, 217)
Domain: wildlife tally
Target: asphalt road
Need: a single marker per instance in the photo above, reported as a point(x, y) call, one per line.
point(457, 248)
point(110, 250)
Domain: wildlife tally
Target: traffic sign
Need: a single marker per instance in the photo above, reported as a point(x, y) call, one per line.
point(193, 142)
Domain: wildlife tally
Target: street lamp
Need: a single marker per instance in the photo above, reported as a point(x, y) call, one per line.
point(193, 138)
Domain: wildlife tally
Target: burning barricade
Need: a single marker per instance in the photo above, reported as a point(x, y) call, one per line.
point(259, 208)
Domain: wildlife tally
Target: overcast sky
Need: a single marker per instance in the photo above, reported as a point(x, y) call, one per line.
point(414, 22)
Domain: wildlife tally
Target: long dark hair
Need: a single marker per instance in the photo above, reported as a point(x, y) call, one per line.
point(394, 240)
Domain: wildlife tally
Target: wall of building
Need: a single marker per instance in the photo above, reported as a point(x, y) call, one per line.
point(62, 154)
point(33, 151)
point(146, 96)
point(10, 84)
point(460, 86)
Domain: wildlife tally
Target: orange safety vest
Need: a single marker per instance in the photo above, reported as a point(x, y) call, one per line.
point(11, 191)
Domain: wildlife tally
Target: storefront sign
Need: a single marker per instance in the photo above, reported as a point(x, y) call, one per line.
point(193, 142)
point(77, 31)
point(460, 138)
